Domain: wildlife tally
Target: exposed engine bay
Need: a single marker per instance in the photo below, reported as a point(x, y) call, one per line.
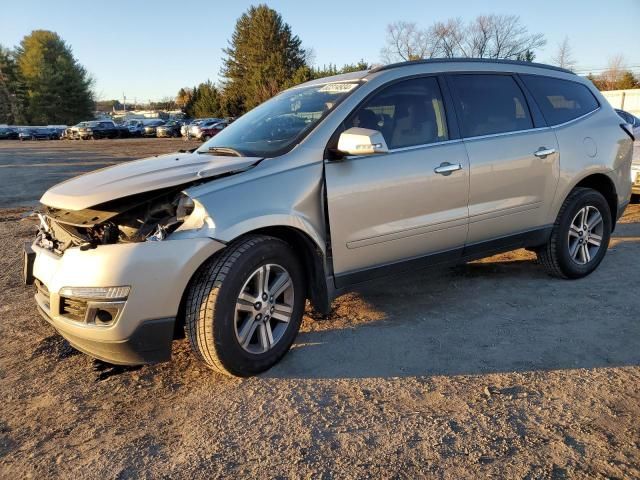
point(144, 217)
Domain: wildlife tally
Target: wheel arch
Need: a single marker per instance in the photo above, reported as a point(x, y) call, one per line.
point(312, 260)
point(600, 182)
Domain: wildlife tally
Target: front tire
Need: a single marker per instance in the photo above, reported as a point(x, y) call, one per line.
point(244, 307)
point(580, 235)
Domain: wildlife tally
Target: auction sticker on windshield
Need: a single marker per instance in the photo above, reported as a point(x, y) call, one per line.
point(338, 87)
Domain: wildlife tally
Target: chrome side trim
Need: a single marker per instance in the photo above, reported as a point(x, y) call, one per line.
point(425, 145)
point(504, 134)
point(576, 119)
point(403, 149)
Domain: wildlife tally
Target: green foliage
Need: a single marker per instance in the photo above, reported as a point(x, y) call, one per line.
point(183, 97)
point(204, 101)
point(58, 88)
point(12, 91)
point(262, 58)
point(625, 80)
point(527, 56)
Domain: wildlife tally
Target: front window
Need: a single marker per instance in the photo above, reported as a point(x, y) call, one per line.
point(407, 113)
point(274, 127)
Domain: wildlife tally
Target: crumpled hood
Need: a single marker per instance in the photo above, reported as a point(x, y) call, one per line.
point(140, 176)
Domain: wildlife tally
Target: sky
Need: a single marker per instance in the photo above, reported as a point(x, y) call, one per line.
point(150, 49)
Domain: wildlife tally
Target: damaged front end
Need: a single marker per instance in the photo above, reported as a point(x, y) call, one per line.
point(149, 216)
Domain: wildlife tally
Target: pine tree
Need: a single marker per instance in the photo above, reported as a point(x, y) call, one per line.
point(12, 93)
point(58, 87)
point(627, 81)
point(262, 58)
point(208, 102)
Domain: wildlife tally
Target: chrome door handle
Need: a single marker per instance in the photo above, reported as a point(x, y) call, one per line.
point(542, 152)
point(447, 168)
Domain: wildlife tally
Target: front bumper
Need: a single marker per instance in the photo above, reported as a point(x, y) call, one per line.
point(158, 274)
point(149, 343)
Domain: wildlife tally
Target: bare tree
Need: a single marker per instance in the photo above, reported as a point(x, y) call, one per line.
point(449, 38)
point(506, 37)
point(564, 56)
point(612, 75)
point(405, 41)
point(487, 36)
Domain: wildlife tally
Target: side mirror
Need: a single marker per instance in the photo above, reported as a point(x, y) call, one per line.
point(361, 141)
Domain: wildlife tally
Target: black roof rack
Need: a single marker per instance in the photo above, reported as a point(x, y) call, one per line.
point(469, 60)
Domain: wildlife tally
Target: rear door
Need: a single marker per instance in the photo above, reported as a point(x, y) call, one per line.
point(513, 156)
point(387, 208)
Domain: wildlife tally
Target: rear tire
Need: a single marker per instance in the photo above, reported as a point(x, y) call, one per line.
point(234, 327)
point(580, 235)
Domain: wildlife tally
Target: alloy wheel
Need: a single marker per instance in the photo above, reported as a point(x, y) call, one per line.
point(585, 235)
point(264, 308)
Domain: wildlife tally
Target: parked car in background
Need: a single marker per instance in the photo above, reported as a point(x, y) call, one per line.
point(631, 120)
point(38, 134)
point(99, 129)
point(123, 130)
point(72, 133)
point(406, 165)
point(195, 130)
point(8, 133)
point(211, 131)
point(59, 131)
point(135, 127)
point(169, 129)
point(151, 126)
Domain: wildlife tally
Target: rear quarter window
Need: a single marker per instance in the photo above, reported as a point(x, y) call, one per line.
point(560, 100)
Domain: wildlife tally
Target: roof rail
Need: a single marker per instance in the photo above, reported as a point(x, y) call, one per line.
point(468, 60)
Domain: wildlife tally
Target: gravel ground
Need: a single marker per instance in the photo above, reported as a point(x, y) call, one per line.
point(489, 369)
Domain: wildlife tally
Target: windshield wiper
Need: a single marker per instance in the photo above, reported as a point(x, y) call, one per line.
point(228, 151)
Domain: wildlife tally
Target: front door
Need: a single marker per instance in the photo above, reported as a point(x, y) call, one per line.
point(388, 208)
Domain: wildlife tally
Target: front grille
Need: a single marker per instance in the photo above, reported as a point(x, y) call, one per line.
point(73, 308)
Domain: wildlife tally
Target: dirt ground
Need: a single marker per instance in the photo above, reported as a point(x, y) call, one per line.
point(489, 369)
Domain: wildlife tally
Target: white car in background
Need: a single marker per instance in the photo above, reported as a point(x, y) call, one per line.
point(195, 129)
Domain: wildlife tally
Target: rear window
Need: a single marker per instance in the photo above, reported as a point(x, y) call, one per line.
point(560, 100)
point(490, 104)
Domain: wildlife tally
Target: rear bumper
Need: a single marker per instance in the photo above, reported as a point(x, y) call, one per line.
point(149, 343)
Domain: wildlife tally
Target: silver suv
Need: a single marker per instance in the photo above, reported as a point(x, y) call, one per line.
point(328, 184)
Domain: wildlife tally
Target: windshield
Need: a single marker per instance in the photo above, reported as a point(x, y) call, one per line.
point(280, 123)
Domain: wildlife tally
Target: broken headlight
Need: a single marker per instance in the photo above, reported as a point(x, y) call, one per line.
point(136, 219)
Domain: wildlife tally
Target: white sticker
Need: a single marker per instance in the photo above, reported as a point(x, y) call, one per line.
point(338, 87)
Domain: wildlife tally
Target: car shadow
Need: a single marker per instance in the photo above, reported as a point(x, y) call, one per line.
point(501, 314)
